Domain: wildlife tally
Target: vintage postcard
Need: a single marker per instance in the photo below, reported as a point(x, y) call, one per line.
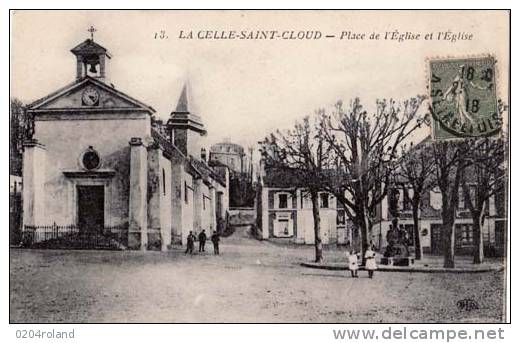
point(259, 167)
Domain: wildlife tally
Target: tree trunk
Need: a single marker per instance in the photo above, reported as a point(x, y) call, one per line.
point(448, 233)
point(448, 228)
point(478, 247)
point(417, 233)
point(317, 229)
point(450, 200)
point(363, 225)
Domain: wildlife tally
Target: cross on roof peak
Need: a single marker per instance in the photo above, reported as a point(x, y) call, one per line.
point(91, 30)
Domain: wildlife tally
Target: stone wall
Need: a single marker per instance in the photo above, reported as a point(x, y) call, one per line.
point(159, 200)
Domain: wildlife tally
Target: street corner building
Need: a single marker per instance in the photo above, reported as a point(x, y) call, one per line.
point(284, 212)
point(101, 171)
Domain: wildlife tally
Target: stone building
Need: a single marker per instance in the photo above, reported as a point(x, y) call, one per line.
point(231, 155)
point(494, 228)
point(284, 211)
point(98, 161)
point(398, 205)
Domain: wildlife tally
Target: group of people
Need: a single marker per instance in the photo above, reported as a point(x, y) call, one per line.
point(215, 239)
point(370, 262)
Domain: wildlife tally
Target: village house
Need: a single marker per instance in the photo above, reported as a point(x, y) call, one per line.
point(101, 167)
point(284, 211)
point(494, 228)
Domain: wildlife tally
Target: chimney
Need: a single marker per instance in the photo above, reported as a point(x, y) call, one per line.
point(203, 155)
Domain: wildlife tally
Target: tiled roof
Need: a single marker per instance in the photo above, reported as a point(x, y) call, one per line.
point(166, 145)
point(283, 178)
point(89, 46)
point(196, 166)
point(205, 171)
point(217, 163)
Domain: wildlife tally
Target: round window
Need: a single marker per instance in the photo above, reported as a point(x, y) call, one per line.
point(91, 159)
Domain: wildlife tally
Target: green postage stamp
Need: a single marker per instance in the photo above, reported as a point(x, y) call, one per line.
point(463, 98)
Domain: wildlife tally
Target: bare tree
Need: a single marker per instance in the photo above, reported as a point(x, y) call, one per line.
point(415, 169)
point(21, 128)
point(452, 159)
point(449, 164)
point(483, 179)
point(365, 148)
point(302, 150)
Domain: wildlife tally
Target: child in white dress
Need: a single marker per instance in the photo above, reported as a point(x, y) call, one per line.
point(370, 264)
point(353, 263)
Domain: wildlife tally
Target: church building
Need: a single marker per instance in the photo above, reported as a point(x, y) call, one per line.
point(100, 170)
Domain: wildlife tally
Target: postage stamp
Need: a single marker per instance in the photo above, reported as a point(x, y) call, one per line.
point(463, 98)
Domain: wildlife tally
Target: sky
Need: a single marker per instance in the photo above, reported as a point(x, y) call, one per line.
point(245, 89)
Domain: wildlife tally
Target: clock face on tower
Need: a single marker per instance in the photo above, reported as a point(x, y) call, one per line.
point(90, 97)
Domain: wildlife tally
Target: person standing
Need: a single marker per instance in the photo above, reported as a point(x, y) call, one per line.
point(215, 238)
point(353, 263)
point(190, 243)
point(202, 240)
point(370, 264)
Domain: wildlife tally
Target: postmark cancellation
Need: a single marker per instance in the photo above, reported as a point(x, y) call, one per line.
point(463, 97)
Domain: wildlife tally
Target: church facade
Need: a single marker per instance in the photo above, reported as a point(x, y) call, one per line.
point(99, 161)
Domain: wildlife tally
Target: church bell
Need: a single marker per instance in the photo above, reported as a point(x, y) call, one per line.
point(93, 68)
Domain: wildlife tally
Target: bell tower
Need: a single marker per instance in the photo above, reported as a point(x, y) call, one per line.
point(185, 125)
point(91, 58)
